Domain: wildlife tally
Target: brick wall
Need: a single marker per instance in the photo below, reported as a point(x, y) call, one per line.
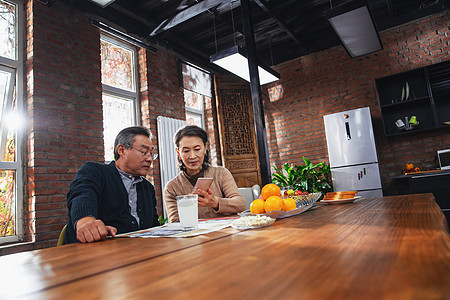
point(64, 104)
point(330, 81)
point(65, 112)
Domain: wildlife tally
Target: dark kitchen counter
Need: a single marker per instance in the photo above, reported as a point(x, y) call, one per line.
point(434, 181)
point(428, 173)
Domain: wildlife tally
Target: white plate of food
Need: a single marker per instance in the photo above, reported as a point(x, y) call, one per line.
point(341, 201)
point(252, 222)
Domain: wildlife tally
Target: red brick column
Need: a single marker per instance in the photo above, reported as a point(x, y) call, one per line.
point(160, 95)
point(64, 104)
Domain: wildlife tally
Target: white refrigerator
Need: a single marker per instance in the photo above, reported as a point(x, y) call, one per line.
point(352, 152)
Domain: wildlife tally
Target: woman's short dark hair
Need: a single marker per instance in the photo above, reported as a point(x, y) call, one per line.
point(192, 130)
point(126, 137)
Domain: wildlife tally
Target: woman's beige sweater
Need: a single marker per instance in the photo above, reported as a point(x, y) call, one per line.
point(223, 187)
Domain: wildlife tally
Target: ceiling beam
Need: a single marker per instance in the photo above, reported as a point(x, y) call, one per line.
point(171, 40)
point(186, 14)
point(268, 9)
point(433, 8)
point(175, 39)
point(126, 10)
point(390, 9)
point(108, 16)
point(229, 24)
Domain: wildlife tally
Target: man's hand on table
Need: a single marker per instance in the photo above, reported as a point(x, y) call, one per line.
point(90, 230)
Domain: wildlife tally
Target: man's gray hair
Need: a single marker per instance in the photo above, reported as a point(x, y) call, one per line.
point(126, 137)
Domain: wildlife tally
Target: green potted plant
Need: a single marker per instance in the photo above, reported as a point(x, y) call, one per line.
point(288, 179)
point(309, 177)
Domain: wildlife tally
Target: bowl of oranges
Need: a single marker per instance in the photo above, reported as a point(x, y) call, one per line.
point(272, 204)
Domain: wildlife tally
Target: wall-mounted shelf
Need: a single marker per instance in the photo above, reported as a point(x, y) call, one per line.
point(406, 102)
point(423, 92)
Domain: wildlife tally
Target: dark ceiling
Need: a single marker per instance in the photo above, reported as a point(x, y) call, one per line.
point(283, 29)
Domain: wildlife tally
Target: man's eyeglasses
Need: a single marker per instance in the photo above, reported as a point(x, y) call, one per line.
point(150, 153)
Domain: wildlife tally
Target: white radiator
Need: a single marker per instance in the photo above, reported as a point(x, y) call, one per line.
point(168, 163)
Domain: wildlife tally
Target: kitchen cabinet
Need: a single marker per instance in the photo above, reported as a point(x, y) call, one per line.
point(436, 182)
point(423, 92)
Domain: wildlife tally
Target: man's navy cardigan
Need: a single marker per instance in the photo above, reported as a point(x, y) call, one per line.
point(97, 190)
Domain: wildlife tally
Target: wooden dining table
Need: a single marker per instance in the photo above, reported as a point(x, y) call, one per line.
point(392, 247)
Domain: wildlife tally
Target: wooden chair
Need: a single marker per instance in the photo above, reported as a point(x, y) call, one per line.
point(62, 236)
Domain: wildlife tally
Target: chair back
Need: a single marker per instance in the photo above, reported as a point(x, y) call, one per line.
point(250, 194)
point(62, 236)
point(256, 191)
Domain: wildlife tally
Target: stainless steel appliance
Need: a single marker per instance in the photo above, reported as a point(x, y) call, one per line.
point(444, 159)
point(352, 152)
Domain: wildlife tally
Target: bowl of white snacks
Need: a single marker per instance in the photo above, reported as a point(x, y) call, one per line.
point(252, 222)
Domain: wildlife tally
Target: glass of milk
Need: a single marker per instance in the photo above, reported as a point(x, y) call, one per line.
point(188, 211)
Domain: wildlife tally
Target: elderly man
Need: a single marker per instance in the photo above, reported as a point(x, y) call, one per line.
point(115, 198)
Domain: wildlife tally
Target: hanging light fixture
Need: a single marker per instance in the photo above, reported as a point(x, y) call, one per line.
point(235, 61)
point(356, 28)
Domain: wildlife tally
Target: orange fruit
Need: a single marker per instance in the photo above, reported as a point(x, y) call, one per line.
point(273, 203)
point(289, 204)
point(257, 206)
point(270, 189)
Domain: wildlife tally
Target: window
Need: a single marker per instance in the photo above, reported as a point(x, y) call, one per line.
point(11, 98)
point(194, 108)
point(120, 96)
point(197, 87)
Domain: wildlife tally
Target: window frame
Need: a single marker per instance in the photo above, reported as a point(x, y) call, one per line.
point(9, 97)
point(190, 110)
point(112, 91)
point(17, 165)
point(196, 112)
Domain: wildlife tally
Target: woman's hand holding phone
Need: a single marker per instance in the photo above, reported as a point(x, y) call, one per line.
point(205, 195)
point(202, 184)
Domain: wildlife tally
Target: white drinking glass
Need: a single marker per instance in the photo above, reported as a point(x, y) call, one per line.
point(188, 211)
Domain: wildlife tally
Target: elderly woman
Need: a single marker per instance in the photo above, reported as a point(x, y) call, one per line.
point(221, 198)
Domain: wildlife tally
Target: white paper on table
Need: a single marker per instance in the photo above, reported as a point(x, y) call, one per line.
point(174, 229)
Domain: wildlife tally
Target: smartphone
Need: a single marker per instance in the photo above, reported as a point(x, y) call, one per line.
point(202, 183)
